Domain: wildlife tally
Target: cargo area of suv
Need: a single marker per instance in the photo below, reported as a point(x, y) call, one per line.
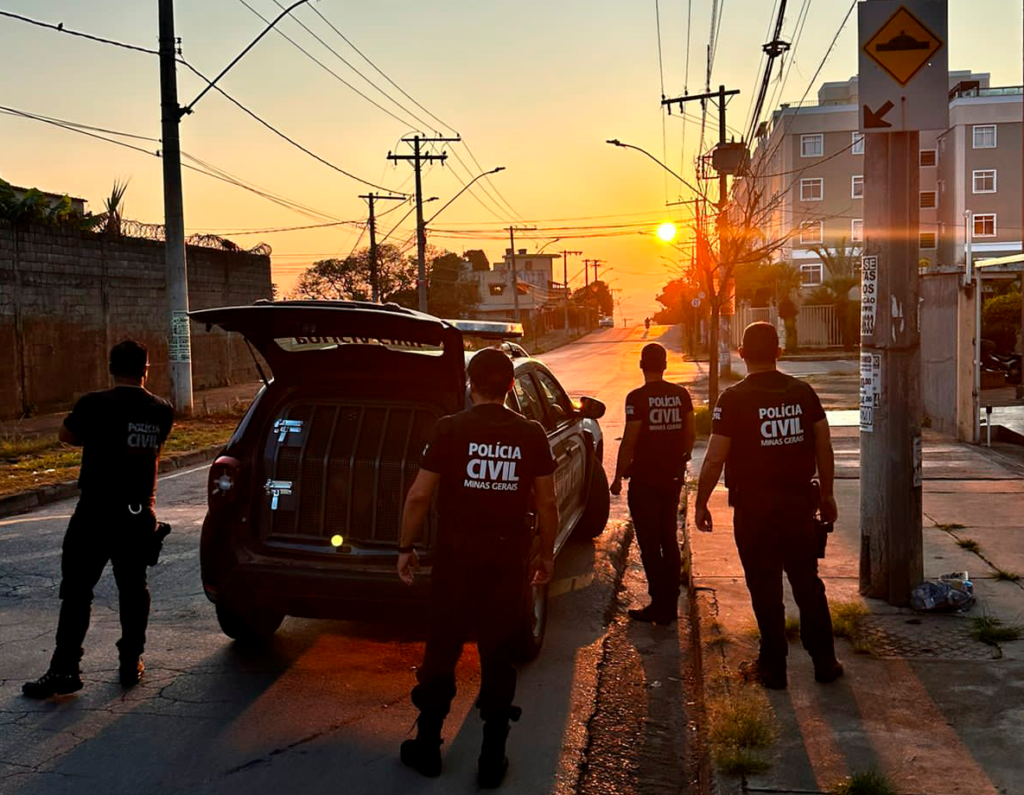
point(305, 502)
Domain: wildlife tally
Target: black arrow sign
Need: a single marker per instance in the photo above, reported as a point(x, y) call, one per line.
point(876, 118)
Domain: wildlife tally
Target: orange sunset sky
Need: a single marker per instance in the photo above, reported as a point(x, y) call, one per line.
point(536, 87)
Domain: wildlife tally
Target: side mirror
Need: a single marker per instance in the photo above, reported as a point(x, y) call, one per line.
point(591, 408)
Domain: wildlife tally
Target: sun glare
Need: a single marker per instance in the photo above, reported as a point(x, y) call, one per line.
point(667, 232)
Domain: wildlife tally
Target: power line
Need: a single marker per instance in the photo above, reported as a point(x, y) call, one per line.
point(59, 27)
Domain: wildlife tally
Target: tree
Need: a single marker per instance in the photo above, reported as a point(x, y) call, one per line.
point(348, 279)
point(596, 295)
point(842, 264)
point(479, 259)
point(448, 293)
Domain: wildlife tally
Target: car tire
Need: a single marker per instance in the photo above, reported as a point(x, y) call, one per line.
point(248, 625)
point(533, 623)
point(599, 504)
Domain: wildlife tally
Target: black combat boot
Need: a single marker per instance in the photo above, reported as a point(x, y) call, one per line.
point(54, 682)
point(424, 753)
point(493, 763)
point(130, 671)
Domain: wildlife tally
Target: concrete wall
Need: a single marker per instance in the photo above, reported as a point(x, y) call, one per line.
point(66, 297)
point(940, 297)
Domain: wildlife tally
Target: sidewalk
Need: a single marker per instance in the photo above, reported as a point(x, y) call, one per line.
point(923, 702)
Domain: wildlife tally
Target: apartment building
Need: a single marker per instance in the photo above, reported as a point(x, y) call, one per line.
point(536, 288)
point(809, 160)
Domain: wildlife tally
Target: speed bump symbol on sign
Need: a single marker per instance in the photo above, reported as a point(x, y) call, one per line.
point(902, 46)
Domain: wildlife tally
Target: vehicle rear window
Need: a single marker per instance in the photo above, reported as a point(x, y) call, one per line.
point(329, 343)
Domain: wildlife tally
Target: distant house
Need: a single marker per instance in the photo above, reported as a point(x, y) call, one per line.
point(535, 286)
point(77, 204)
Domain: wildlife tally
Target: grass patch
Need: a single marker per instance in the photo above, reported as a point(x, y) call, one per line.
point(870, 783)
point(846, 618)
point(702, 421)
point(742, 725)
point(951, 526)
point(969, 544)
point(717, 640)
point(992, 631)
point(792, 627)
point(1002, 575)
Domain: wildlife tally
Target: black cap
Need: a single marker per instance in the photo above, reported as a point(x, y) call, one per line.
point(653, 357)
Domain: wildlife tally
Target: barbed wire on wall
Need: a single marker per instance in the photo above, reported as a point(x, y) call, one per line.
point(139, 229)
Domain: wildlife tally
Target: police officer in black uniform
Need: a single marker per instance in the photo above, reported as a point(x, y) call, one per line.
point(122, 431)
point(656, 445)
point(771, 434)
point(487, 460)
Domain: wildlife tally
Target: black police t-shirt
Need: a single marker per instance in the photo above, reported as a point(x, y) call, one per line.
point(123, 431)
point(488, 457)
point(769, 418)
point(660, 453)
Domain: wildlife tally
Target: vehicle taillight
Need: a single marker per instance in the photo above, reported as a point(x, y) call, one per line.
point(223, 481)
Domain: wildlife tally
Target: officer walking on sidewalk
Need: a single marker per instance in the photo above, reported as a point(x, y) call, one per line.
point(486, 459)
point(656, 445)
point(122, 431)
point(770, 433)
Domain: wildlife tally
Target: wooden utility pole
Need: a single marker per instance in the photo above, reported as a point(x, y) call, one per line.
point(565, 281)
point(891, 561)
point(179, 339)
point(418, 158)
point(597, 262)
point(715, 292)
point(371, 199)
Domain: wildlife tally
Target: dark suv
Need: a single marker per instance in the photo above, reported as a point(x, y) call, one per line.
point(305, 502)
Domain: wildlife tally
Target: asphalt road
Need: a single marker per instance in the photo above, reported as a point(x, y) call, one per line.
point(324, 708)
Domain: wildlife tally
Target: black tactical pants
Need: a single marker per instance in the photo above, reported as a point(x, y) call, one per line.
point(96, 534)
point(481, 602)
point(776, 534)
point(654, 508)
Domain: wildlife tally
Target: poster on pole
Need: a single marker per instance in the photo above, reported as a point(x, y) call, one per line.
point(870, 389)
point(868, 295)
point(179, 346)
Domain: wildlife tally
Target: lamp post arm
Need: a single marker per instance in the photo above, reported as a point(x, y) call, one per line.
point(464, 189)
point(617, 142)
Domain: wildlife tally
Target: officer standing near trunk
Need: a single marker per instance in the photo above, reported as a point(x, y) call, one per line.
point(122, 431)
point(656, 445)
point(486, 460)
point(771, 434)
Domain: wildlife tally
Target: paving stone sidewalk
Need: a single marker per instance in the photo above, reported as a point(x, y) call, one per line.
point(923, 701)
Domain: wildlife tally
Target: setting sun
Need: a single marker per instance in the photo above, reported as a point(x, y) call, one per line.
point(667, 232)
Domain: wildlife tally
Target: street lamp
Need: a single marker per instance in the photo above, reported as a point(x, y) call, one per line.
point(464, 189)
point(617, 142)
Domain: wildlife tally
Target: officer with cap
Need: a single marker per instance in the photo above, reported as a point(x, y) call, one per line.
point(122, 431)
point(486, 460)
point(656, 445)
point(771, 434)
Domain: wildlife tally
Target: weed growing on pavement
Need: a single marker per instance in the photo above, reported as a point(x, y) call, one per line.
point(969, 544)
point(1002, 575)
point(950, 526)
point(742, 724)
point(792, 627)
point(702, 421)
point(846, 618)
point(990, 630)
point(870, 783)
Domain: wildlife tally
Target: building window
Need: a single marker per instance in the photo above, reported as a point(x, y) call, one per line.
point(811, 275)
point(928, 157)
point(858, 143)
point(929, 200)
point(496, 289)
point(812, 189)
point(927, 240)
point(857, 230)
point(984, 136)
point(985, 225)
point(810, 232)
point(856, 187)
point(812, 145)
point(985, 180)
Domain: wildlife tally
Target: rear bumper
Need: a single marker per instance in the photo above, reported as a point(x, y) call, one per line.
point(312, 593)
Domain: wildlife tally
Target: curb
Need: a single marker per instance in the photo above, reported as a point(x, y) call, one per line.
point(24, 501)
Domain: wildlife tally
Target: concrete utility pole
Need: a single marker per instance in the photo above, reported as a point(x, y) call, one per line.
point(595, 263)
point(371, 199)
point(890, 441)
point(418, 158)
point(726, 161)
point(179, 342)
point(565, 281)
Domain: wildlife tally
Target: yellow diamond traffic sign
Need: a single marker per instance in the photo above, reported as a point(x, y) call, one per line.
point(902, 46)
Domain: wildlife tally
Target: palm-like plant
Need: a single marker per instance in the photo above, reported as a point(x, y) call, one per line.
point(110, 223)
point(842, 264)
